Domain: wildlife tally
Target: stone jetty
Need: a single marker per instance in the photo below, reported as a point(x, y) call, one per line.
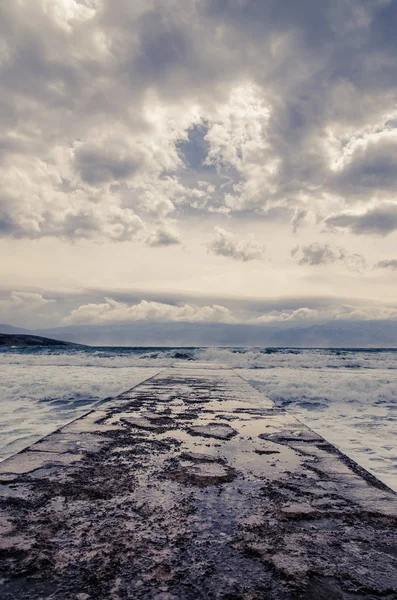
point(193, 485)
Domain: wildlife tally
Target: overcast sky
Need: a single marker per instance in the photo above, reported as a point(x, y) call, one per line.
point(197, 160)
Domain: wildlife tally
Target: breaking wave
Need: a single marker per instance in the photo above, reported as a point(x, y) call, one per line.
point(243, 358)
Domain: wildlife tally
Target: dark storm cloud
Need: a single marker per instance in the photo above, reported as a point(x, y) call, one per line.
point(81, 83)
point(298, 218)
point(334, 68)
point(163, 237)
point(372, 168)
point(164, 46)
point(380, 221)
point(7, 227)
point(316, 254)
point(99, 164)
point(389, 263)
point(308, 17)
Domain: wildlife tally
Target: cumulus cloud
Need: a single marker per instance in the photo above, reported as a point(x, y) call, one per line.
point(366, 313)
point(318, 254)
point(380, 220)
point(112, 311)
point(24, 300)
point(225, 243)
point(285, 316)
point(388, 263)
point(331, 313)
point(34, 204)
point(21, 305)
point(27, 308)
point(238, 141)
point(164, 236)
point(296, 106)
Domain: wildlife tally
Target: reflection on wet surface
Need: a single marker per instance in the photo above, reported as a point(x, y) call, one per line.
point(193, 485)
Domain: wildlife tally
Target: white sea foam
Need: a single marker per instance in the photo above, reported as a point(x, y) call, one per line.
point(37, 399)
point(256, 358)
point(356, 410)
point(348, 397)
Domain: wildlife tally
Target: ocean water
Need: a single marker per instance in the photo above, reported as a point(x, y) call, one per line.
point(348, 396)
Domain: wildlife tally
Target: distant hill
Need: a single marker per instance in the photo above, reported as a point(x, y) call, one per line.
point(11, 329)
point(18, 339)
point(331, 334)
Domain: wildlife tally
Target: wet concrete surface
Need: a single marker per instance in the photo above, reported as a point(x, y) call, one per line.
point(192, 485)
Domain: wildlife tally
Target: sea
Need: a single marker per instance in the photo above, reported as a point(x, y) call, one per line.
point(349, 396)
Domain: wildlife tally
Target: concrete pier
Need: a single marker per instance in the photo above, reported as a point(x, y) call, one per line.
point(193, 485)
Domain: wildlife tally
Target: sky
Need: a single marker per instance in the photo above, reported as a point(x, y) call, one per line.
point(226, 161)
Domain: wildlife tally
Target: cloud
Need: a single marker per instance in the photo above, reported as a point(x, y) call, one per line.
point(300, 314)
point(19, 305)
point(99, 98)
point(237, 138)
point(163, 236)
point(389, 263)
point(366, 313)
point(23, 300)
point(111, 311)
point(298, 219)
point(98, 164)
point(35, 204)
point(331, 313)
point(40, 308)
point(368, 161)
point(380, 221)
point(225, 243)
point(317, 254)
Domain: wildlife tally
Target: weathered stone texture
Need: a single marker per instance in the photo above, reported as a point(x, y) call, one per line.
point(193, 486)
